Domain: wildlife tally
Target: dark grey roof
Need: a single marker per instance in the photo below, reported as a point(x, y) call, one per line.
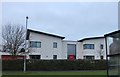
point(39, 32)
point(90, 38)
point(112, 33)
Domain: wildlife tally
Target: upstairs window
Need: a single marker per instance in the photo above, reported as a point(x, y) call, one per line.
point(88, 46)
point(35, 44)
point(54, 44)
point(71, 49)
point(101, 46)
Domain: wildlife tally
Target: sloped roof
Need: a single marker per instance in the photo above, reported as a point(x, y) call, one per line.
point(90, 38)
point(112, 34)
point(39, 32)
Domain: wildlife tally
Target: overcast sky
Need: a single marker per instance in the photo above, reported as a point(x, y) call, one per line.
point(73, 20)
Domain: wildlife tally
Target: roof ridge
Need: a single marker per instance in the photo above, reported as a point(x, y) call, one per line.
point(49, 34)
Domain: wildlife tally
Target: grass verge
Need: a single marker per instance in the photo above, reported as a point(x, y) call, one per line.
point(54, 74)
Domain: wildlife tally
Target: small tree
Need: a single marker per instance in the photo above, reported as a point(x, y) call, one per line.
point(13, 38)
point(101, 51)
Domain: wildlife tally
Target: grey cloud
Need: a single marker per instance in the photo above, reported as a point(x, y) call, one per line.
point(72, 20)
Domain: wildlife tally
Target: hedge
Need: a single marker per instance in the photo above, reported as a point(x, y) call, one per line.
point(54, 65)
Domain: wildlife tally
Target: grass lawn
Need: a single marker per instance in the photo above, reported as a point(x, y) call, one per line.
point(55, 73)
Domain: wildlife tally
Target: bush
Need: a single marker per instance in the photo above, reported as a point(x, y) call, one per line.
point(54, 65)
point(12, 65)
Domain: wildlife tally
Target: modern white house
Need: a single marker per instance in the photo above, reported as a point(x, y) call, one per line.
point(91, 48)
point(48, 46)
point(43, 45)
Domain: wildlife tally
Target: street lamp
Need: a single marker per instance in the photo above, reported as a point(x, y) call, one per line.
point(25, 45)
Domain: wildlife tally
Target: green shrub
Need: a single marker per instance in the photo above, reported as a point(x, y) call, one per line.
point(54, 65)
point(12, 65)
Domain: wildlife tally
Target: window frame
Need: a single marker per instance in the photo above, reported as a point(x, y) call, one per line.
point(55, 45)
point(35, 57)
point(88, 46)
point(54, 57)
point(35, 44)
point(87, 57)
point(74, 50)
point(101, 46)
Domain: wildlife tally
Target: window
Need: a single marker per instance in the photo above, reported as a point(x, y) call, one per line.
point(101, 57)
point(35, 44)
point(35, 56)
point(88, 46)
point(54, 44)
point(89, 57)
point(54, 57)
point(101, 46)
point(71, 49)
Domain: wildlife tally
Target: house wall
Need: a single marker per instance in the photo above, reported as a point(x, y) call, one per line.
point(95, 52)
point(46, 51)
point(79, 53)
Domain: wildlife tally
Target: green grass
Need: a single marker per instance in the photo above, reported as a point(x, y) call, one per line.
point(55, 73)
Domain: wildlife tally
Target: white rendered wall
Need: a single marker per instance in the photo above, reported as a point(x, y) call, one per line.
point(92, 52)
point(79, 53)
point(46, 51)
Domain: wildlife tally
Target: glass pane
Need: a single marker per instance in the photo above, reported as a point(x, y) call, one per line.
point(113, 65)
point(54, 45)
point(88, 46)
point(101, 46)
point(54, 57)
point(113, 50)
point(35, 44)
point(38, 44)
point(32, 44)
point(92, 46)
point(71, 49)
